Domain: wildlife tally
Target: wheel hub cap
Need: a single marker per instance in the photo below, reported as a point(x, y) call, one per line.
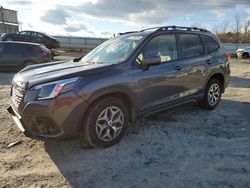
point(109, 123)
point(214, 94)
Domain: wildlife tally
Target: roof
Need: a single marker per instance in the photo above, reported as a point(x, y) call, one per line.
point(19, 42)
point(167, 28)
point(40, 33)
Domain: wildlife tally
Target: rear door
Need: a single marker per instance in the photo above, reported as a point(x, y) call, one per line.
point(11, 55)
point(33, 37)
point(194, 62)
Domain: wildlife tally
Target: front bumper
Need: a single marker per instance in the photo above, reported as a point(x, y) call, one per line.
point(17, 118)
point(50, 119)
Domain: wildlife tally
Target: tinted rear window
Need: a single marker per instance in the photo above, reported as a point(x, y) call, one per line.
point(191, 46)
point(210, 44)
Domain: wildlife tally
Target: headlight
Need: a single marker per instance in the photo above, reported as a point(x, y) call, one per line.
point(53, 89)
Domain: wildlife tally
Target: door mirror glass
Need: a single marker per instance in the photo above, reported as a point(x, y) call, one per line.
point(152, 61)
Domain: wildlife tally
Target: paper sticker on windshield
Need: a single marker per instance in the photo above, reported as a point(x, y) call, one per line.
point(135, 37)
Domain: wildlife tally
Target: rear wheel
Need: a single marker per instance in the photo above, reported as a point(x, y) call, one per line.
point(106, 122)
point(212, 95)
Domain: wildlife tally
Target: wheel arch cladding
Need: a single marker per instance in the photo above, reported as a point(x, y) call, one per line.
point(124, 97)
point(220, 77)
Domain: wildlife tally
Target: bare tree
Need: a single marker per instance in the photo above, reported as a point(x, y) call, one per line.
point(225, 26)
point(246, 26)
point(237, 29)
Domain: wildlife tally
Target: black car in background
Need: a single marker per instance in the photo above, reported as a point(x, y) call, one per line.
point(16, 55)
point(32, 36)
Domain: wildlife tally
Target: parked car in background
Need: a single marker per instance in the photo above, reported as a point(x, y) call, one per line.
point(17, 55)
point(32, 36)
point(243, 53)
point(132, 75)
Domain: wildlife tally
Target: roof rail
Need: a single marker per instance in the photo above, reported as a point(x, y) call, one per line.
point(166, 28)
point(182, 28)
point(173, 27)
point(151, 28)
point(127, 32)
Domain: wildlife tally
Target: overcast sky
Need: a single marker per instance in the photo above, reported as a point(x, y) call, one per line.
point(102, 18)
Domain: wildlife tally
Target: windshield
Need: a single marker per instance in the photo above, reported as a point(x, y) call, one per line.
point(114, 50)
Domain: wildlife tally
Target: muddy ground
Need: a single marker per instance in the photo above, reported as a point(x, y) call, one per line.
point(183, 147)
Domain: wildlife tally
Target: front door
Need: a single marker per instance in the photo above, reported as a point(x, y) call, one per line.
point(161, 83)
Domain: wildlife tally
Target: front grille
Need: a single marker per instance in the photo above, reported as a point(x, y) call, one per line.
point(17, 93)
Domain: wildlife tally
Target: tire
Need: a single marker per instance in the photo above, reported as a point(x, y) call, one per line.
point(105, 124)
point(245, 56)
point(212, 95)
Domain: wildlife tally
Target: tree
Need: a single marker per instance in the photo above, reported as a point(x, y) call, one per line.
point(246, 25)
point(237, 29)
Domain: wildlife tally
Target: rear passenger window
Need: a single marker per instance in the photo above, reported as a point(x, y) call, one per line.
point(191, 46)
point(210, 44)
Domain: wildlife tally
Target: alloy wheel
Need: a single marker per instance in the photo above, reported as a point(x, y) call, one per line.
point(110, 123)
point(214, 94)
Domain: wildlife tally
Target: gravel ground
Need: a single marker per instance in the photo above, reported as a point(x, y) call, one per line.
point(183, 147)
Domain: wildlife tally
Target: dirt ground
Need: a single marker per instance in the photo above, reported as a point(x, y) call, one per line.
point(183, 147)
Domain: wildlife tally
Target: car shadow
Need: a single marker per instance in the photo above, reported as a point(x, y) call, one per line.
point(239, 82)
point(157, 149)
point(6, 78)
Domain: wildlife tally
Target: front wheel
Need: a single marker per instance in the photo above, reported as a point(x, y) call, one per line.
point(212, 95)
point(106, 122)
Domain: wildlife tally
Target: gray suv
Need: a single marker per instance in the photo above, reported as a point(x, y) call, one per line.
point(132, 75)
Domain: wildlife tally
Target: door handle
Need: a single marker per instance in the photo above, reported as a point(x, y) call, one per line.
point(208, 62)
point(178, 67)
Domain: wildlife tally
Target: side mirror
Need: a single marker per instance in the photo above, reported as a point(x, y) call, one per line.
point(76, 59)
point(146, 63)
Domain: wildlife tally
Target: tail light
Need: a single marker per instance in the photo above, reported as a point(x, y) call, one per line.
point(228, 55)
point(43, 54)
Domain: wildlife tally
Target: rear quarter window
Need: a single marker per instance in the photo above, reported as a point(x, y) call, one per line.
point(190, 45)
point(210, 44)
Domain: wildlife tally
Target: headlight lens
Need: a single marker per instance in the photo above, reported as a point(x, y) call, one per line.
point(53, 89)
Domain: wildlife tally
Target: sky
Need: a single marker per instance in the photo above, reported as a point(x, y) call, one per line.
point(103, 18)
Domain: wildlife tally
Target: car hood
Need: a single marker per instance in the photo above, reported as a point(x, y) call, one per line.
point(49, 72)
point(240, 50)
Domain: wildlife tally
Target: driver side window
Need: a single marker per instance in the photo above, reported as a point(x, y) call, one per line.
point(163, 47)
